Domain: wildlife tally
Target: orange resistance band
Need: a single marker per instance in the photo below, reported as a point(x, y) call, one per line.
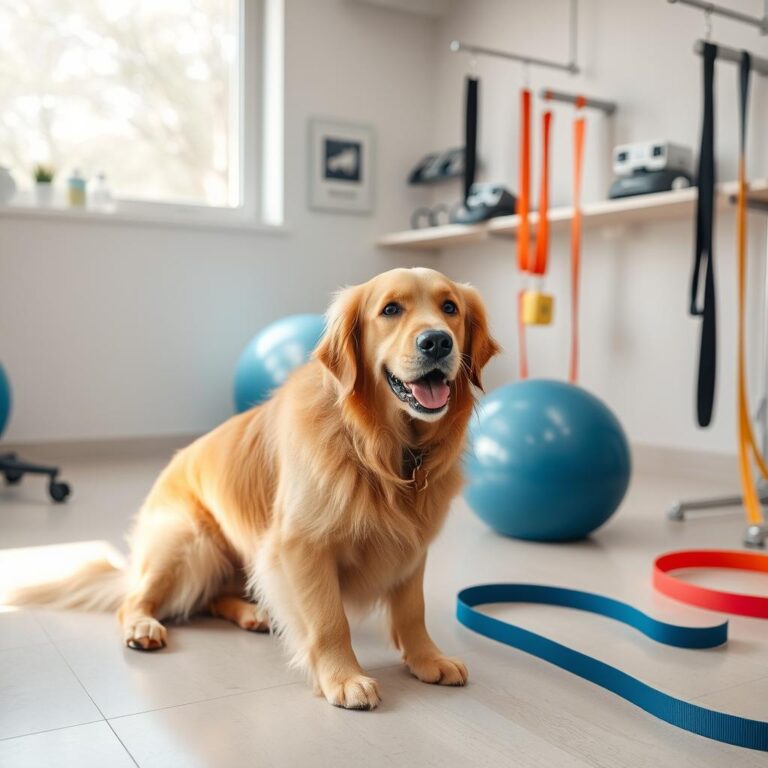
point(542, 228)
point(524, 231)
point(579, 127)
point(539, 266)
point(748, 449)
point(521, 346)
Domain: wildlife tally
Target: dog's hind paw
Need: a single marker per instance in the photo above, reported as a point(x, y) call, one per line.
point(439, 670)
point(253, 618)
point(247, 615)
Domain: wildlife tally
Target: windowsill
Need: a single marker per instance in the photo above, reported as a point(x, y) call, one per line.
point(177, 217)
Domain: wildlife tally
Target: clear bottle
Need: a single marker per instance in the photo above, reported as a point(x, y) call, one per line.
point(76, 190)
point(100, 196)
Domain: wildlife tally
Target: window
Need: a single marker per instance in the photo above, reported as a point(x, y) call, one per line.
point(149, 92)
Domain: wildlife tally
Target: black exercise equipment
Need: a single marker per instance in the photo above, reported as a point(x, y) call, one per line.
point(470, 135)
point(703, 259)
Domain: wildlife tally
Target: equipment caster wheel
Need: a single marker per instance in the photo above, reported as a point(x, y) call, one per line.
point(756, 536)
point(13, 476)
point(59, 491)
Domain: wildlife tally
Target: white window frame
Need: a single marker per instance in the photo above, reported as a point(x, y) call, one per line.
point(259, 169)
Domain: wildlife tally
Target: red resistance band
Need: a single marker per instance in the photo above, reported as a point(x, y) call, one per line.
point(704, 597)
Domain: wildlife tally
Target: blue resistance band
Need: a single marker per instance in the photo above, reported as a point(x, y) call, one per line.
point(730, 729)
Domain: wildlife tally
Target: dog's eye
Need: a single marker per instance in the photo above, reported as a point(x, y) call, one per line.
point(450, 308)
point(393, 308)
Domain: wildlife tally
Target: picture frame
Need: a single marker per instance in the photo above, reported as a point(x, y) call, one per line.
point(341, 170)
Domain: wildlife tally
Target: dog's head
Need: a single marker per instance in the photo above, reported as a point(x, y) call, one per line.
point(410, 335)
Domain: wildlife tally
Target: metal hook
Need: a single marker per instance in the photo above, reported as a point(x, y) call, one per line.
point(472, 65)
point(708, 23)
point(526, 75)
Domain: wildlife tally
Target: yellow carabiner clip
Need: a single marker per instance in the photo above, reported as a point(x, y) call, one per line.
point(538, 308)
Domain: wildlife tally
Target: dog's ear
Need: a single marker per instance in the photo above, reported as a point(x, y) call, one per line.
point(479, 346)
point(339, 349)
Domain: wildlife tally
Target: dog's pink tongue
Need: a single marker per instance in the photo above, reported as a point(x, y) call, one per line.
point(433, 394)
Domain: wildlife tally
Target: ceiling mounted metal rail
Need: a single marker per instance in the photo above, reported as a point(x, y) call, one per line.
point(761, 22)
point(724, 53)
point(570, 66)
point(609, 107)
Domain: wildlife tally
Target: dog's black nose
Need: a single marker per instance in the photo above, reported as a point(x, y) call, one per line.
point(434, 344)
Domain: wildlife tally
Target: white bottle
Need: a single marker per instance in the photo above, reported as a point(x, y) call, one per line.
point(100, 196)
point(7, 186)
point(76, 190)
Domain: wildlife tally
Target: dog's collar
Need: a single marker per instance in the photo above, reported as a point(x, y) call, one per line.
point(413, 467)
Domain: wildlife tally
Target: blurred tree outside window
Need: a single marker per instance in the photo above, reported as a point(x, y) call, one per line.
point(145, 91)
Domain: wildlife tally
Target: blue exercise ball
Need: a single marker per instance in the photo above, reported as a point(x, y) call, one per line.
point(5, 399)
point(272, 355)
point(547, 461)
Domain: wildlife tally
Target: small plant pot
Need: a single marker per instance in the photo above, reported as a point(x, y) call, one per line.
point(44, 194)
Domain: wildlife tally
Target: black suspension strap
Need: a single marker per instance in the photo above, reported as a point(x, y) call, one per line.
point(703, 257)
point(470, 135)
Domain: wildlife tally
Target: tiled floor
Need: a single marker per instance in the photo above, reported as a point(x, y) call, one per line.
point(71, 695)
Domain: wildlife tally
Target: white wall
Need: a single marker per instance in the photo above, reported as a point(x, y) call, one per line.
point(114, 330)
point(639, 347)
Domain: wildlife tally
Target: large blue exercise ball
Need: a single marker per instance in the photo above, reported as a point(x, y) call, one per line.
point(5, 399)
point(547, 461)
point(272, 355)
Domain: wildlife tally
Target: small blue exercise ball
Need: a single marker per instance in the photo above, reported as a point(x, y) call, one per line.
point(547, 461)
point(272, 355)
point(5, 399)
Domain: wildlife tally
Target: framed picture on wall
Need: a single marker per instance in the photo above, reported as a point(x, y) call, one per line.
point(341, 166)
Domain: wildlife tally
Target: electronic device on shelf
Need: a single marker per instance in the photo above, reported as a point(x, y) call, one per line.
point(650, 166)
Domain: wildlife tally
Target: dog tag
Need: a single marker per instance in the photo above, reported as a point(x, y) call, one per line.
point(537, 308)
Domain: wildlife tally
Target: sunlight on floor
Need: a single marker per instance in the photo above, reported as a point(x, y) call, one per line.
point(28, 565)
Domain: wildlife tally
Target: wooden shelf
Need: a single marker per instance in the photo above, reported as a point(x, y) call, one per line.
point(628, 210)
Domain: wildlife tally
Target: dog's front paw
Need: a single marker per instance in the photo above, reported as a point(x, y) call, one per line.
point(353, 692)
point(440, 670)
point(145, 634)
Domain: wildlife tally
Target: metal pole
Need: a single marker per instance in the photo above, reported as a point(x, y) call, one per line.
point(574, 30)
point(457, 46)
point(719, 10)
point(609, 107)
point(759, 65)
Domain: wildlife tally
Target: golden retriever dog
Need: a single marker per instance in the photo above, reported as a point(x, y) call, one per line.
point(324, 497)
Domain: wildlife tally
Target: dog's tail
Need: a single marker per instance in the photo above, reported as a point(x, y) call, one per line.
point(98, 585)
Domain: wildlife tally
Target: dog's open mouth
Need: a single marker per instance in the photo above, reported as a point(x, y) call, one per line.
point(428, 394)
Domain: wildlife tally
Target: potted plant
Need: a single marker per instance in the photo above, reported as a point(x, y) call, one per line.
point(44, 184)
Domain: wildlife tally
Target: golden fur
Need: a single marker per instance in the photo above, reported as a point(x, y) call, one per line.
point(311, 500)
